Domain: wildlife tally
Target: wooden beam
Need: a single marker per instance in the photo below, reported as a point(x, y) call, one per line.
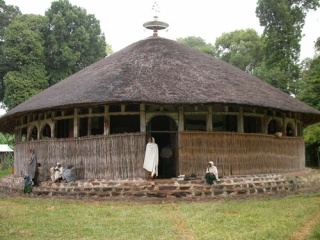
point(181, 119)
point(106, 123)
point(142, 118)
point(240, 120)
point(75, 123)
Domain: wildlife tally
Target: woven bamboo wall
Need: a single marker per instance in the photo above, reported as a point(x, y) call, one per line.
point(103, 157)
point(239, 154)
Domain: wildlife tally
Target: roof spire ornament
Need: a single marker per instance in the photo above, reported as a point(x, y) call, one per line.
point(155, 25)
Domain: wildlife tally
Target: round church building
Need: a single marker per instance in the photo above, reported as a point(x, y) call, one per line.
point(198, 109)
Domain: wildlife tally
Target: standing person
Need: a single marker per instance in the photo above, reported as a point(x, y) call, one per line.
point(32, 167)
point(151, 158)
point(211, 173)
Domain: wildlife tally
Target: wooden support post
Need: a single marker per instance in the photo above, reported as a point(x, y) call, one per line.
point(240, 120)
point(295, 125)
point(284, 123)
point(209, 119)
point(75, 123)
point(53, 125)
point(89, 122)
point(38, 130)
point(106, 124)
point(142, 118)
point(181, 119)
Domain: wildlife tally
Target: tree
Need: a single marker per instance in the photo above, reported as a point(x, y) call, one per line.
point(283, 21)
point(24, 53)
point(8, 159)
point(312, 138)
point(309, 93)
point(109, 50)
point(7, 139)
point(23, 84)
point(74, 40)
point(310, 84)
point(7, 14)
point(241, 48)
point(197, 43)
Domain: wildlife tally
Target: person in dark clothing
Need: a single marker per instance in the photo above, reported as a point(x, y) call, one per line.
point(32, 166)
point(27, 184)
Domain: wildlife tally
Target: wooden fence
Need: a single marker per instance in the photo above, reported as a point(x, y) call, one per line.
point(103, 157)
point(239, 154)
point(121, 156)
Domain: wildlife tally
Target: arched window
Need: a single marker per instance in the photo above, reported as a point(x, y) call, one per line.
point(34, 133)
point(290, 130)
point(274, 126)
point(46, 132)
point(23, 134)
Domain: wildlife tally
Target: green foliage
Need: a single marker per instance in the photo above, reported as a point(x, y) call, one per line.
point(109, 50)
point(310, 83)
point(7, 139)
point(283, 21)
point(198, 43)
point(272, 75)
point(23, 84)
point(312, 134)
point(24, 43)
point(73, 41)
point(317, 45)
point(241, 48)
point(312, 139)
point(24, 53)
point(4, 172)
point(7, 162)
point(7, 14)
point(38, 51)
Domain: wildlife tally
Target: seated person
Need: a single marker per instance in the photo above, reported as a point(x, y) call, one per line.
point(56, 173)
point(69, 174)
point(211, 173)
point(27, 184)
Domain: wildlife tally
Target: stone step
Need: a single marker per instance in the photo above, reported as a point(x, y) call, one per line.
point(231, 186)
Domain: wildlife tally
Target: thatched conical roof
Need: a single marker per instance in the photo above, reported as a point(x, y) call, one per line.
point(158, 70)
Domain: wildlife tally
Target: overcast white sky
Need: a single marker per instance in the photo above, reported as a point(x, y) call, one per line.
point(122, 20)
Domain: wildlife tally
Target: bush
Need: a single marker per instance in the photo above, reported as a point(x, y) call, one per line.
point(7, 162)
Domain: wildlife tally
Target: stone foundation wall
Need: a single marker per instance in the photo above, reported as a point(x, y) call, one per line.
point(229, 187)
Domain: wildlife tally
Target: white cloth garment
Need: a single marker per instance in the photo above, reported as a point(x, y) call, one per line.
point(58, 172)
point(213, 169)
point(151, 158)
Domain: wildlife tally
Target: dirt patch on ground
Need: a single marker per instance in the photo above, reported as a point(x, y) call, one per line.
point(306, 228)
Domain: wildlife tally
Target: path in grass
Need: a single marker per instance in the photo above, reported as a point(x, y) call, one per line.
point(179, 223)
point(306, 228)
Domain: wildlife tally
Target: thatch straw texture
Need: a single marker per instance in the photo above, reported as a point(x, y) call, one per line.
point(105, 157)
point(160, 71)
point(239, 154)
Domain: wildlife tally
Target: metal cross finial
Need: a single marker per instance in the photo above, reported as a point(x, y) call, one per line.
point(155, 8)
point(155, 25)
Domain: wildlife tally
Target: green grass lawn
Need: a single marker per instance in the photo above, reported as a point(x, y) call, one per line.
point(4, 172)
point(35, 218)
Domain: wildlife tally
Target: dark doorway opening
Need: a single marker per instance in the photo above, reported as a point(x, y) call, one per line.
point(164, 130)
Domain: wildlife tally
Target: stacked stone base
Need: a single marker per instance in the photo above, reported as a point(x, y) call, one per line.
point(172, 189)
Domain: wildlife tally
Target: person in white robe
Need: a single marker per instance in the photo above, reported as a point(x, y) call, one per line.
point(151, 159)
point(211, 173)
point(58, 173)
